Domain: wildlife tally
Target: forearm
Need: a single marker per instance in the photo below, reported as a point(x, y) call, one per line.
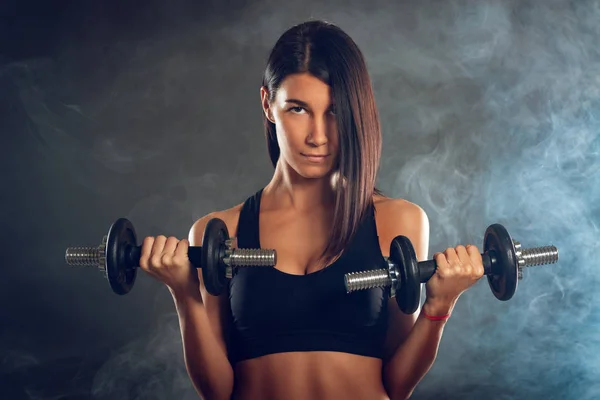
point(206, 362)
point(414, 357)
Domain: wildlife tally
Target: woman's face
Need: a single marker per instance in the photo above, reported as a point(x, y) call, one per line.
point(303, 114)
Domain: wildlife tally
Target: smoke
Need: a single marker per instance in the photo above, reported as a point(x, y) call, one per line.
point(148, 368)
point(490, 113)
point(512, 122)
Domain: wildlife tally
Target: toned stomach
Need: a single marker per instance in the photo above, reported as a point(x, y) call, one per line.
point(309, 375)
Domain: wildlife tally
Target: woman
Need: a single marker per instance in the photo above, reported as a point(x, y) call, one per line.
point(291, 331)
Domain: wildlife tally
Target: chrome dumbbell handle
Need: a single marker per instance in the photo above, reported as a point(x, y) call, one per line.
point(387, 277)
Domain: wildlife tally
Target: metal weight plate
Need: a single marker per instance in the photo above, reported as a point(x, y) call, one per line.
point(120, 271)
point(504, 277)
point(213, 246)
point(408, 294)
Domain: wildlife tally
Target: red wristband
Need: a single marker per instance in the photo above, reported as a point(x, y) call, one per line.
point(436, 318)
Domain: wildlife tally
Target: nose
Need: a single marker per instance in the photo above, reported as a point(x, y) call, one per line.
point(318, 135)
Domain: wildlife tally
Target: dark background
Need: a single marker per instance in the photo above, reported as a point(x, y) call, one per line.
point(151, 111)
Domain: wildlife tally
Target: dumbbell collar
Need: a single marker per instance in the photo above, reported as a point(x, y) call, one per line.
point(393, 276)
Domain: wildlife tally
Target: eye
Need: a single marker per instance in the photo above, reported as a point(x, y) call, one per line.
point(296, 109)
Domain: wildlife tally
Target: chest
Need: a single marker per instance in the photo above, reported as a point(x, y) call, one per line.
point(299, 293)
point(266, 299)
point(299, 239)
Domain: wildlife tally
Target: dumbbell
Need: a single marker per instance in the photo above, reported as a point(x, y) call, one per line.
point(118, 256)
point(503, 263)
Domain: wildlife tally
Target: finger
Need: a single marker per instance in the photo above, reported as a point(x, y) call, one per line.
point(182, 248)
point(440, 259)
point(473, 252)
point(146, 251)
point(170, 246)
point(157, 250)
point(441, 263)
point(463, 256)
point(476, 259)
point(168, 253)
point(451, 256)
point(465, 265)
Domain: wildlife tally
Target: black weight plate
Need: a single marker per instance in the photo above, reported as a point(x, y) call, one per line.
point(408, 293)
point(119, 270)
point(504, 275)
point(213, 246)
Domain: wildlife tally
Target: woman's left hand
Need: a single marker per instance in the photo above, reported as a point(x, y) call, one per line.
point(457, 270)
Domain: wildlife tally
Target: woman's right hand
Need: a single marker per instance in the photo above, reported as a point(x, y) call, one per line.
point(167, 260)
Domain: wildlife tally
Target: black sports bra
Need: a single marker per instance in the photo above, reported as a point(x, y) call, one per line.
point(274, 312)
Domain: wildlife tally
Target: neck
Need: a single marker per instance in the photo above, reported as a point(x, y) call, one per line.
point(289, 190)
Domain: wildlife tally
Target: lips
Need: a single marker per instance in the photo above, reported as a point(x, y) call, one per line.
point(315, 158)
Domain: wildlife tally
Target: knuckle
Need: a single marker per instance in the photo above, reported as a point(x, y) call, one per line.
point(166, 259)
point(155, 261)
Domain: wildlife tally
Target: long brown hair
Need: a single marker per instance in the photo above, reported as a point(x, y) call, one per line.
point(328, 53)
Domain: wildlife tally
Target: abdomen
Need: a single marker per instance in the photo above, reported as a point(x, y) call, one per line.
point(309, 375)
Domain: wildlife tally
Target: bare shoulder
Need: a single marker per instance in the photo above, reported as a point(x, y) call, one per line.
point(396, 217)
point(399, 211)
point(230, 216)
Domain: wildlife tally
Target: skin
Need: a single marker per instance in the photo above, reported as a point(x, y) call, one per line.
point(297, 203)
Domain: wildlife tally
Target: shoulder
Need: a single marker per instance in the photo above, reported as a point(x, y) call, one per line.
point(400, 215)
point(400, 209)
point(230, 216)
point(395, 217)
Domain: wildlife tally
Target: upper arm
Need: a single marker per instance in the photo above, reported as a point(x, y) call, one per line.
point(410, 220)
point(217, 307)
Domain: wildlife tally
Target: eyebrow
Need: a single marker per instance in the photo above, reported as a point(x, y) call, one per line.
point(302, 103)
point(299, 102)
